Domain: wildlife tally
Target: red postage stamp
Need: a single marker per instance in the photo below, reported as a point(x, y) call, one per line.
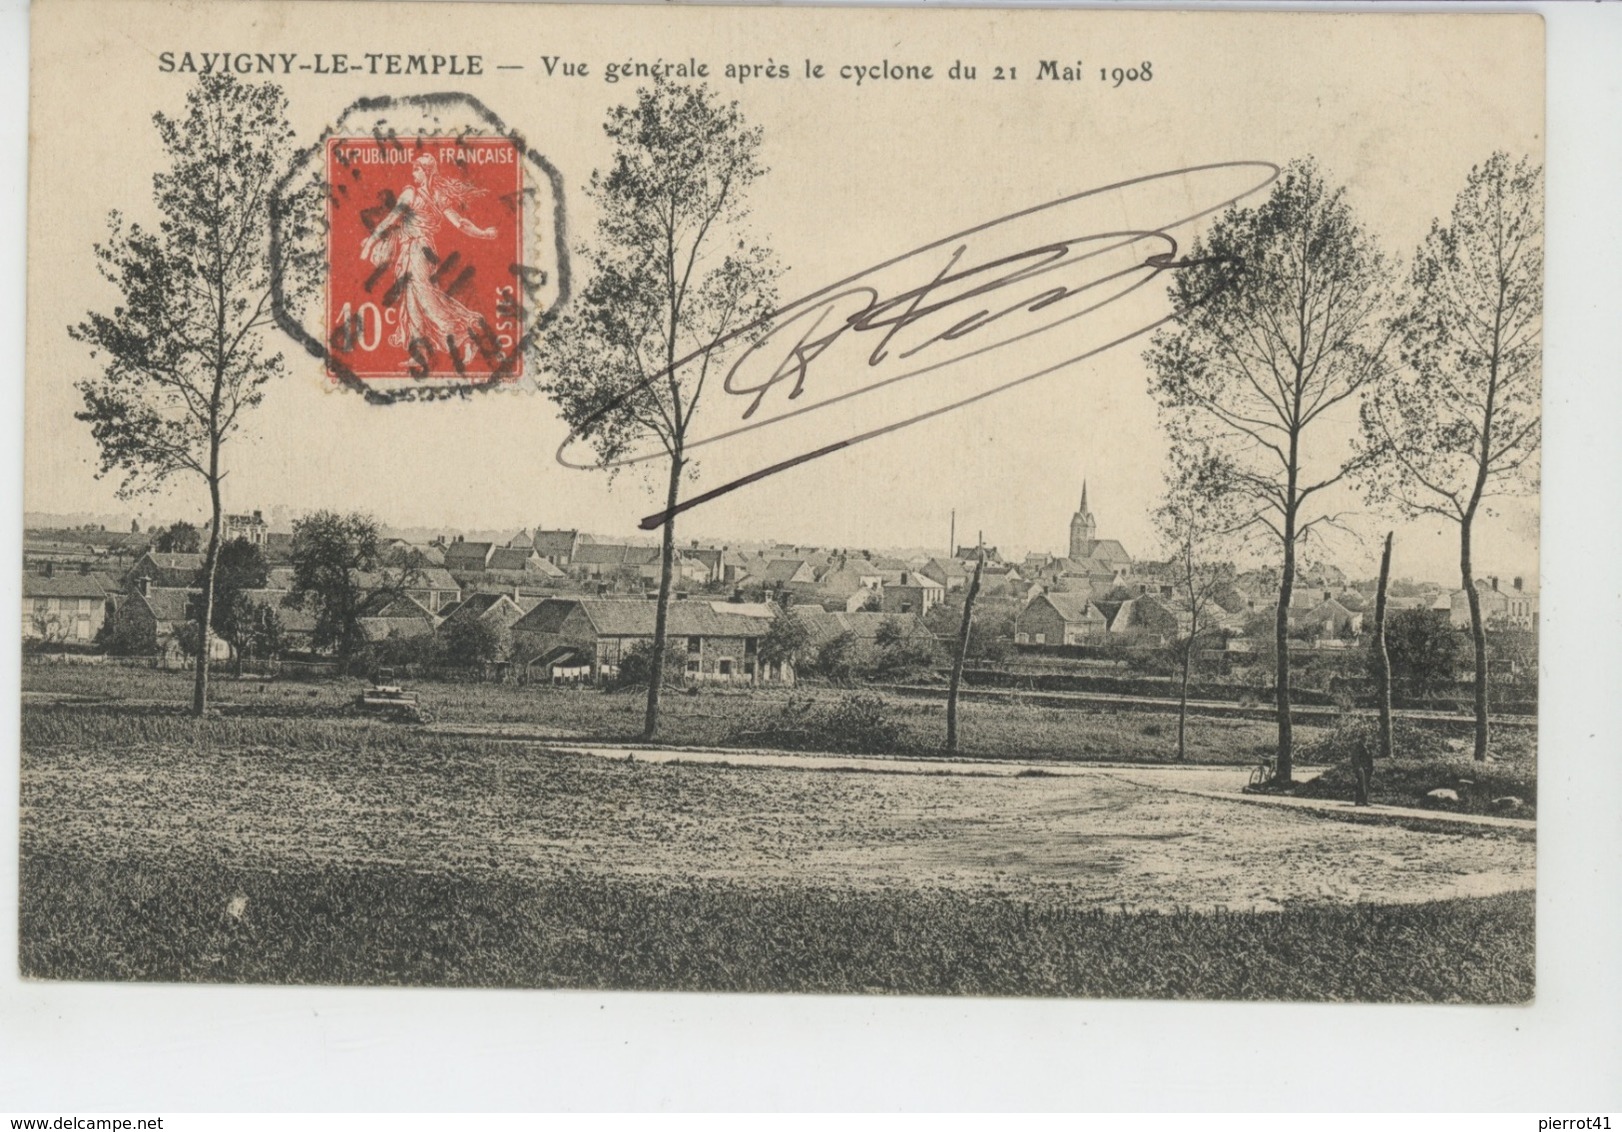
point(425, 253)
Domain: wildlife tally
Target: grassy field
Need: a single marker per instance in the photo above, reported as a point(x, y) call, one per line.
point(287, 840)
point(140, 919)
point(1423, 761)
point(711, 718)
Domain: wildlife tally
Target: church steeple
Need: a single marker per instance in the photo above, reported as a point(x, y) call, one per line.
point(1083, 528)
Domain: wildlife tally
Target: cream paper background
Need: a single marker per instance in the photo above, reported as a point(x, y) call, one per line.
point(78, 1048)
point(1396, 107)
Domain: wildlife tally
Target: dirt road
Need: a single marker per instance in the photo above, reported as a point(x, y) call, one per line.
point(1084, 835)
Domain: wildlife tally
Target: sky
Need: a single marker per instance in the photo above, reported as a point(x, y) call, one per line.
point(1396, 108)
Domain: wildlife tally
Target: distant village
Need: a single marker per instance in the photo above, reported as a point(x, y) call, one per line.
point(564, 606)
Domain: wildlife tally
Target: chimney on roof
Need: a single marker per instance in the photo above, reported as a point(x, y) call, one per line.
point(50, 569)
point(515, 593)
point(258, 517)
point(146, 586)
point(1494, 581)
point(1519, 583)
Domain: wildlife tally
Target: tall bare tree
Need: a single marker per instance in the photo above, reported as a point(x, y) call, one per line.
point(671, 272)
point(181, 353)
point(1461, 422)
point(1278, 322)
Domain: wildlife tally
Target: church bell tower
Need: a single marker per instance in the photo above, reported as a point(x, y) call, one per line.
point(1082, 529)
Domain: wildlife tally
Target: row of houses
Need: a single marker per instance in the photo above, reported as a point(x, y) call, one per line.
point(1095, 592)
point(1156, 615)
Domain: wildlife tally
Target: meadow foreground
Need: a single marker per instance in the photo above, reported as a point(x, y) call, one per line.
point(287, 848)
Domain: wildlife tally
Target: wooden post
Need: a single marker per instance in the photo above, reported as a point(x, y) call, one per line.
point(962, 648)
point(1382, 679)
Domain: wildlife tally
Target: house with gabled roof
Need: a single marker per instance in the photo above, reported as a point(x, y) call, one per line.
point(468, 557)
point(1515, 605)
point(607, 560)
point(948, 572)
point(913, 593)
point(1146, 619)
point(65, 608)
point(781, 572)
point(151, 619)
point(558, 547)
point(297, 623)
point(718, 641)
point(399, 552)
point(431, 587)
point(824, 625)
point(499, 611)
point(517, 560)
point(710, 558)
point(171, 571)
point(1059, 619)
point(388, 616)
point(1329, 618)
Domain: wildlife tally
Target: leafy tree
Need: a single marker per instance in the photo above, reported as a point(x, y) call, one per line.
point(127, 637)
point(1512, 649)
point(788, 640)
point(339, 572)
point(837, 656)
point(241, 567)
point(260, 634)
point(991, 633)
point(253, 628)
point(1278, 323)
point(188, 638)
point(1424, 650)
point(1460, 421)
point(470, 642)
point(671, 273)
point(49, 629)
point(178, 537)
point(899, 652)
point(637, 666)
point(182, 356)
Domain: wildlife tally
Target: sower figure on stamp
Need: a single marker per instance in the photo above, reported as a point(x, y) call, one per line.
point(429, 317)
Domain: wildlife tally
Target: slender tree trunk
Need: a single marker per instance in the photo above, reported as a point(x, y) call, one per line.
point(1281, 640)
point(661, 617)
point(1478, 633)
point(1382, 679)
point(962, 653)
point(1182, 700)
point(199, 696)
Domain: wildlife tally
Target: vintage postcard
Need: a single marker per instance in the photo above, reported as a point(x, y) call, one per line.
point(887, 501)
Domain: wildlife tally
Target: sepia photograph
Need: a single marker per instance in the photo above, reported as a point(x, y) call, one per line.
point(967, 502)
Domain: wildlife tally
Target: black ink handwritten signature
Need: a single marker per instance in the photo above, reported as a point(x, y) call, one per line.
point(954, 310)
